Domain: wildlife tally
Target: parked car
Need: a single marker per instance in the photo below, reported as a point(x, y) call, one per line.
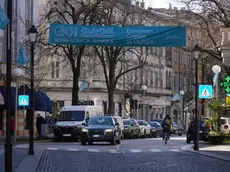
point(101, 128)
point(156, 129)
point(160, 121)
point(176, 129)
point(131, 128)
point(225, 125)
point(203, 133)
point(119, 120)
point(145, 128)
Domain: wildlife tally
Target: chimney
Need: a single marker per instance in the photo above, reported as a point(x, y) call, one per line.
point(142, 4)
point(137, 4)
point(170, 6)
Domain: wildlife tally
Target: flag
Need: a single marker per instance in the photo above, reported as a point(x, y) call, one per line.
point(4, 21)
point(176, 97)
point(83, 86)
point(215, 78)
point(22, 57)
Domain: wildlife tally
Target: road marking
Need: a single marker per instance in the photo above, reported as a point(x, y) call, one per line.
point(113, 150)
point(155, 150)
point(73, 149)
point(93, 150)
point(175, 150)
point(134, 150)
point(52, 148)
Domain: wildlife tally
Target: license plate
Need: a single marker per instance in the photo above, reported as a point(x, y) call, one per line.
point(66, 135)
point(201, 132)
point(96, 135)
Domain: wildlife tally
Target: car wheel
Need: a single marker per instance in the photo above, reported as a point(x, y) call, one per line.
point(150, 134)
point(131, 135)
point(90, 143)
point(83, 142)
point(188, 141)
point(57, 138)
point(113, 142)
point(144, 134)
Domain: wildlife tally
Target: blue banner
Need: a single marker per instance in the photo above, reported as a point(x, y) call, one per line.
point(140, 36)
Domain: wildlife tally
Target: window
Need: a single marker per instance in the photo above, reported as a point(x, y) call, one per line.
point(151, 78)
point(167, 79)
point(181, 56)
point(161, 79)
point(156, 78)
point(175, 55)
point(55, 69)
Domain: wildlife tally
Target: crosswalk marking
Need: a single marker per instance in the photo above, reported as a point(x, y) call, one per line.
point(175, 150)
point(93, 150)
point(134, 150)
point(52, 148)
point(73, 149)
point(155, 150)
point(113, 150)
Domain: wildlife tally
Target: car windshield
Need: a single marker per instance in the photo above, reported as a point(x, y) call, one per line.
point(141, 122)
point(126, 122)
point(160, 121)
point(153, 124)
point(72, 116)
point(100, 121)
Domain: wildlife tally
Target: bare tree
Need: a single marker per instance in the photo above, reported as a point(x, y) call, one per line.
point(205, 18)
point(118, 61)
point(77, 12)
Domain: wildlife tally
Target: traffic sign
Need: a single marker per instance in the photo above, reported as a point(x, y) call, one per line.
point(205, 91)
point(23, 100)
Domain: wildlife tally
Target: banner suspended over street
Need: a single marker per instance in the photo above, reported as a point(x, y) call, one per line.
point(140, 36)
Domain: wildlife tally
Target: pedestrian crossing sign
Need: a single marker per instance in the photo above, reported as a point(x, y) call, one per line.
point(23, 100)
point(205, 91)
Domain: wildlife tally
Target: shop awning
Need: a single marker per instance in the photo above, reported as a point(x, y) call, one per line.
point(48, 103)
point(12, 99)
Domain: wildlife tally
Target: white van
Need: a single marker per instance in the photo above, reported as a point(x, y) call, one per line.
point(119, 120)
point(72, 119)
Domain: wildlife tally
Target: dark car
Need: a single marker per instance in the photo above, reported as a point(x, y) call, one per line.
point(203, 133)
point(176, 129)
point(101, 128)
point(131, 128)
point(156, 129)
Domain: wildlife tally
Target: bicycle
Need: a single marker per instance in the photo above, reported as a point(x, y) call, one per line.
point(166, 137)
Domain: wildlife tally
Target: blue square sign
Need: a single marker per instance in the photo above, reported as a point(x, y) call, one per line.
point(23, 100)
point(205, 91)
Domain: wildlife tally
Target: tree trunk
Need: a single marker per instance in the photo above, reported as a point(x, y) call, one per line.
point(110, 98)
point(75, 89)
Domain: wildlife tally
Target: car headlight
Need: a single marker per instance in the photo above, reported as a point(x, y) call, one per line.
point(84, 130)
point(109, 130)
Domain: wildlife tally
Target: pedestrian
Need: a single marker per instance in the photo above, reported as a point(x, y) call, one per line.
point(39, 121)
point(12, 125)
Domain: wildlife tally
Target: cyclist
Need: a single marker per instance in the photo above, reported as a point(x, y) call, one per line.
point(167, 125)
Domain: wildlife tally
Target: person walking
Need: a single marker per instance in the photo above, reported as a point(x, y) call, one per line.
point(39, 122)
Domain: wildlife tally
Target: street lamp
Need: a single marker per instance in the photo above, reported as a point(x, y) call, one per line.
point(89, 81)
point(17, 73)
point(197, 118)
point(216, 69)
point(182, 106)
point(144, 88)
point(32, 38)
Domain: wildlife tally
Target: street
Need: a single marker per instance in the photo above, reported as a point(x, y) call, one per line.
point(145, 155)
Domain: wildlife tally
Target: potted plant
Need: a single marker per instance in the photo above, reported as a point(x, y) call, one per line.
point(216, 136)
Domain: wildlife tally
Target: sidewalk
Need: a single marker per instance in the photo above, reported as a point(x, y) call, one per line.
point(221, 152)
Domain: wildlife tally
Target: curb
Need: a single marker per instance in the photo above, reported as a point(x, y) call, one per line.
point(30, 162)
point(207, 154)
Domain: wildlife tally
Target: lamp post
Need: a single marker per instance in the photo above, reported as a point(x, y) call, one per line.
point(197, 117)
point(89, 81)
point(182, 106)
point(8, 144)
point(17, 73)
point(144, 88)
point(32, 38)
point(216, 69)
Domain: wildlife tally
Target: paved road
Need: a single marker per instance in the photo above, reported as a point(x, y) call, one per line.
point(135, 145)
point(59, 161)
